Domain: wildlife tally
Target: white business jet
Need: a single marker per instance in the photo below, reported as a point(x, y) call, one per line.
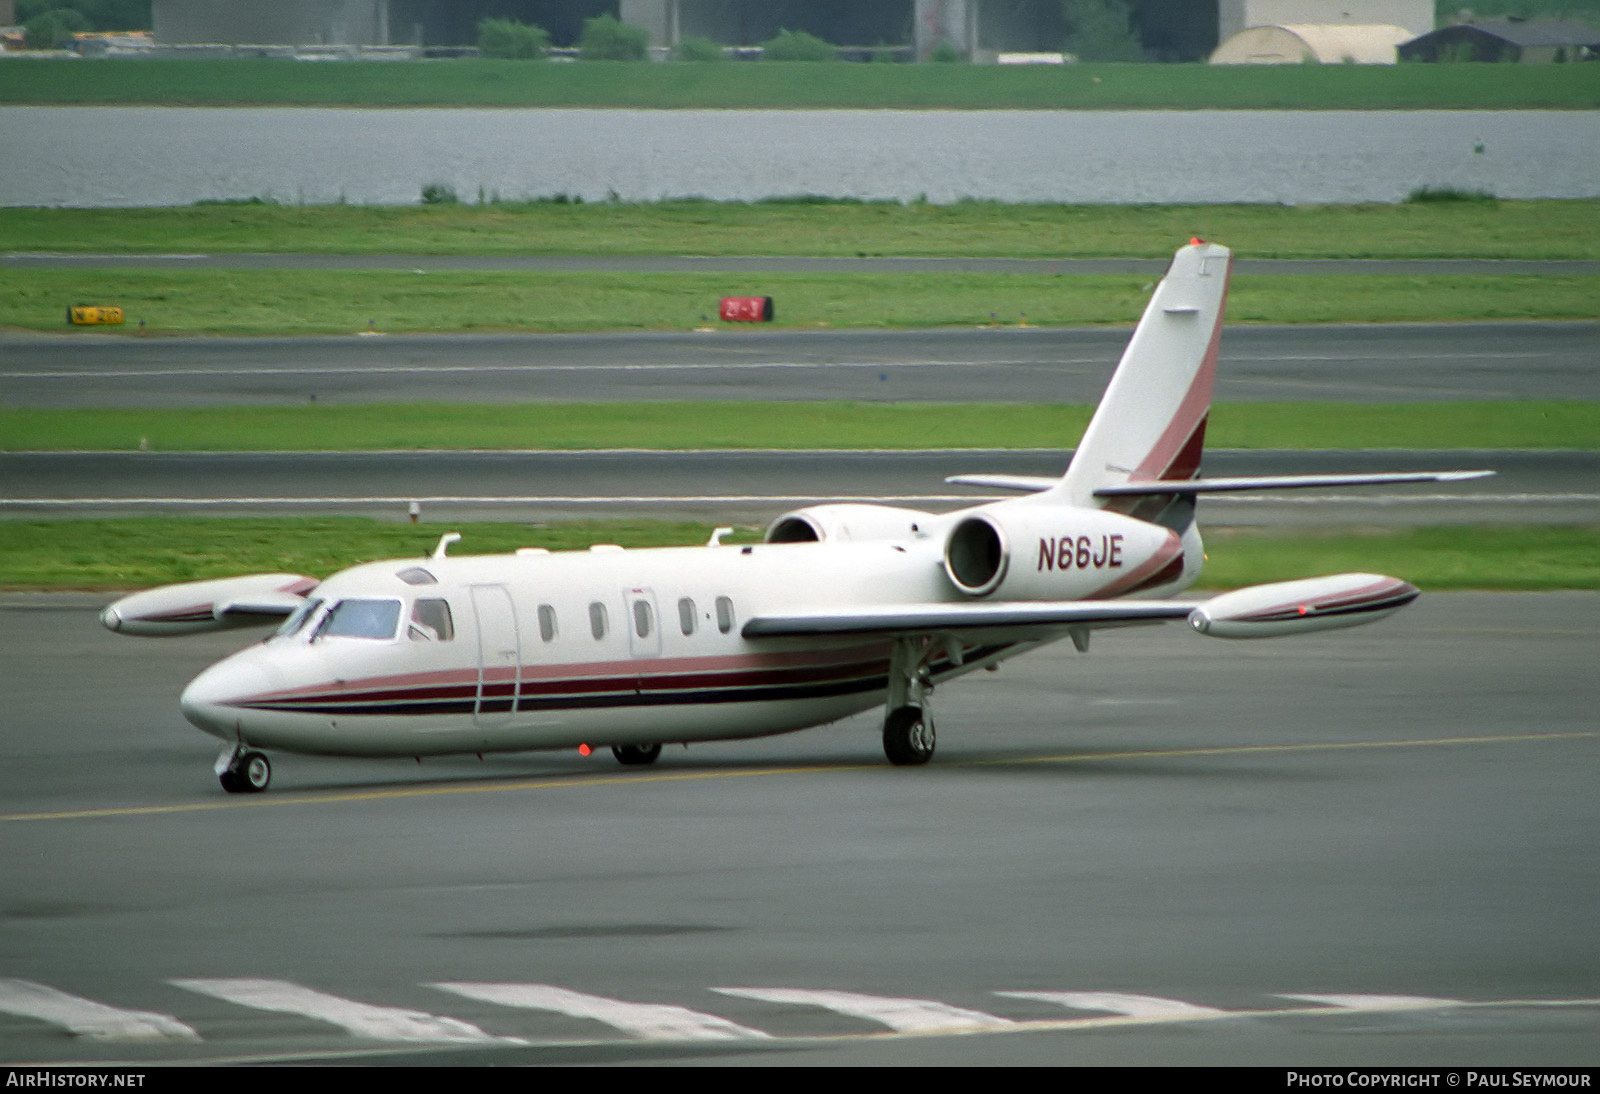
point(842, 608)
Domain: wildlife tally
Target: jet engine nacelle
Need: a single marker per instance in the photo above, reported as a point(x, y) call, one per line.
point(846, 522)
point(1293, 607)
point(194, 606)
point(1057, 552)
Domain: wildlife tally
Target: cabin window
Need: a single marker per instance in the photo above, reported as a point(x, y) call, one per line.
point(724, 614)
point(597, 620)
point(302, 615)
point(686, 616)
point(547, 622)
point(416, 575)
point(641, 618)
point(431, 621)
point(361, 619)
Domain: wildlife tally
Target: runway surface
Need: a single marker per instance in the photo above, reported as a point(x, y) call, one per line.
point(1341, 363)
point(1368, 847)
point(749, 486)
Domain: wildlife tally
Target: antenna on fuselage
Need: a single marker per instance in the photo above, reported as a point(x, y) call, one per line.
point(444, 543)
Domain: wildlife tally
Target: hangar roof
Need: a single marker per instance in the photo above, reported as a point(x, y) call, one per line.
point(1366, 44)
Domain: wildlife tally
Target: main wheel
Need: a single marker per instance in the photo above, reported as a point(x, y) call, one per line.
point(636, 755)
point(908, 737)
point(249, 776)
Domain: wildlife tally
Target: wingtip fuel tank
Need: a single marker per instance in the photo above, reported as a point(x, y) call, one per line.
point(1297, 607)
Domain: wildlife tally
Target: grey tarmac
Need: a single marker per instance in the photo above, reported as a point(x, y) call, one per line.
point(1370, 847)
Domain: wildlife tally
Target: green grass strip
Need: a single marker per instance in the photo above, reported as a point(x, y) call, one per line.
point(303, 302)
point(770, 84)
point(136, 553)
point(799, 425)
point(1437, 229)
point(1464, 557)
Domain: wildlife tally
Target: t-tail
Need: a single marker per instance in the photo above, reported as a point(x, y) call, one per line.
point(1150, 426)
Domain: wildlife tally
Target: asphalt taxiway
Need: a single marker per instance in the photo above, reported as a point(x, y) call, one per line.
point(1365, 847)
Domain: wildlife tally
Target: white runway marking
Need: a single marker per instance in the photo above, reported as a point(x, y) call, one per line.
point(361, 1019)
point(86, 1018)
point(650, 1020)
point(1135, 1006)
point(900, 1015)
point(1378, 1002)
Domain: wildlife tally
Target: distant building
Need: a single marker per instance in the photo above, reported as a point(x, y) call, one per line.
point(284, 22)
point(1329, 45)
point(1234, 16)
point(1526, 41)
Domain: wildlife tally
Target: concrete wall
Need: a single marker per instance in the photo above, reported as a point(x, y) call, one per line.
point(1233, 16)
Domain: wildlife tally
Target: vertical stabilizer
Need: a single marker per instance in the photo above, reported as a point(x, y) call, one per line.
point(1151, 423)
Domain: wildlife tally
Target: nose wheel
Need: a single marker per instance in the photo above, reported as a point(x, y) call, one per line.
point(243, 771)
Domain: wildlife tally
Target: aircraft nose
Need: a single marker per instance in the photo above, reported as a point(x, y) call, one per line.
point(211, 701)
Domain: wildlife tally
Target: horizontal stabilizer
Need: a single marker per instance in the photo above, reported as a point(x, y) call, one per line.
point(923, 618)
point(1283, 482)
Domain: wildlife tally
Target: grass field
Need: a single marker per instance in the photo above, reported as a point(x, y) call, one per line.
point(303, 302)
point(1419, 229)
point(678, 425)
point(135, 553)
point(774, 85)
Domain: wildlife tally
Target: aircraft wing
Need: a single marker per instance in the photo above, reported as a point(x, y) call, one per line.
point(924, 618)
point(260, 608)
point(1221, 485)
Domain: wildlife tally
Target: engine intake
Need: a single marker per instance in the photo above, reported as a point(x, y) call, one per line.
point(847, 522)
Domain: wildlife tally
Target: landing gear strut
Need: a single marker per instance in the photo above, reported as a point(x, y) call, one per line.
point(636, 755)
point(908, 735)
point(243, 771)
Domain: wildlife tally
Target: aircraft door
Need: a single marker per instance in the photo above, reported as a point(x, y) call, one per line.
point(644, 623)
point(499, 654)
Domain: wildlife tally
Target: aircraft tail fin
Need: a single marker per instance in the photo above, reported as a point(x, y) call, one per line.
point(1150, 425)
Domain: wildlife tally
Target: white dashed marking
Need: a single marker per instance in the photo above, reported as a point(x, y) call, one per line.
point(361, 1019)
point(1135, 1006)
point(900, 1015)
point(86, 1018)
point(650, 1020)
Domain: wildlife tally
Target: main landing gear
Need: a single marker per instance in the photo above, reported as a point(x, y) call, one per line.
point(243, 771)
point(636, 755)
point(908, 736)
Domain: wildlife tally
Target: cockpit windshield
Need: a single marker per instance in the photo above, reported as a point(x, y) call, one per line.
point(295, 622)
point(361, 619)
